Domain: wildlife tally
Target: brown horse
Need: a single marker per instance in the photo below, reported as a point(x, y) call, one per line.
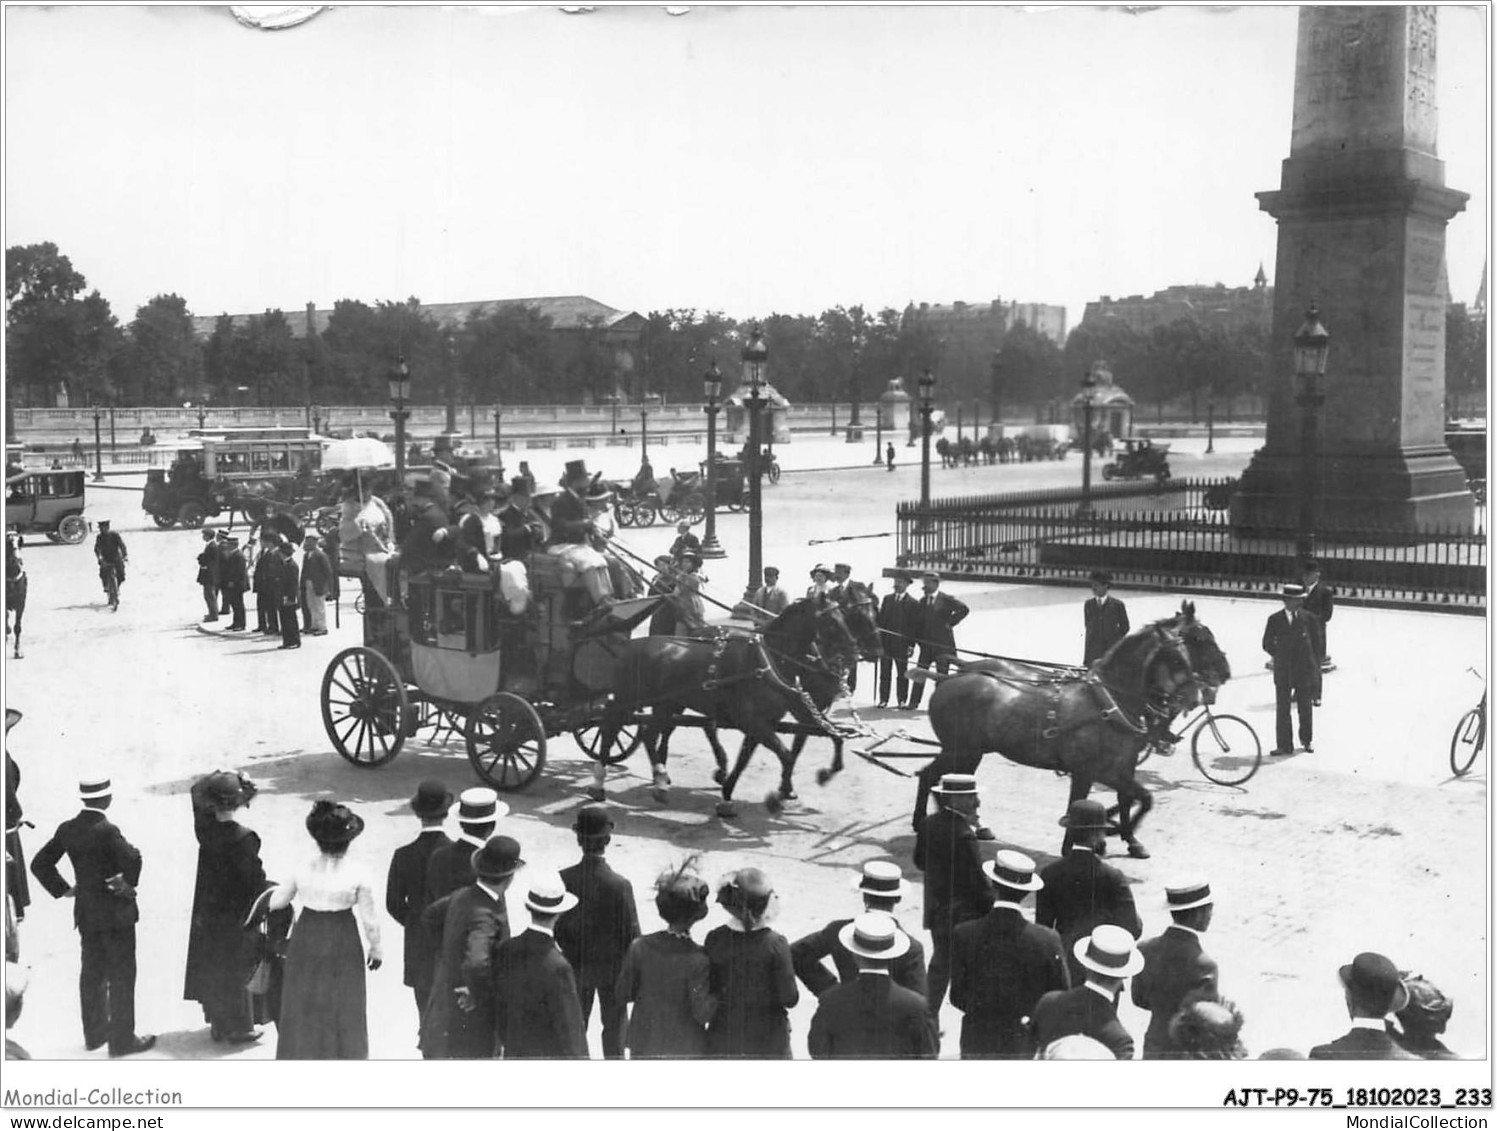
point(1091, 725)
point(744, 681)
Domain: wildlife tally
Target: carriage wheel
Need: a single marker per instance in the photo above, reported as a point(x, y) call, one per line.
point(191, 514)
point(1470, 735)
point(670, 513)
point(693, 508)
point(625, 742)
point(774, 471)
point(364, 704)
point(72, 529)
point(1226, 749)
point(165, 521)
point(623, 513)
point(506, 742)
point(1108, 471)
point(736, 505)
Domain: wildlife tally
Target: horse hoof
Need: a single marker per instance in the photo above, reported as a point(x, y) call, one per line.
point(595, 792)
point(660, 794)
point(1138, 851)
point(773, 803)
point(717, 776)
point(823, 776)
point(727, 809)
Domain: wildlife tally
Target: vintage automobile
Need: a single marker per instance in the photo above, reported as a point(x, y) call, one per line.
point(1140, 459)
point(47, 502)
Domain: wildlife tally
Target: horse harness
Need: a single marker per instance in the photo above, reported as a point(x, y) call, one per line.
point(763, 669)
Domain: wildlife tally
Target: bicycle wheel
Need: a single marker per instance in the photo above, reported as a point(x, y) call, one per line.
point(1470, 736)
point(1226, 750)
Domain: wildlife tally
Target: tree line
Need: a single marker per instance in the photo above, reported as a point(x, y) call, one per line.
point(63, 336)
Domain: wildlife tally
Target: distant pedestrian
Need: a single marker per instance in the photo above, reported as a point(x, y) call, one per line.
point(597, 933)
point(233, 580)
point(405, 886)
point(956, 887)
point(897, 615)
point(938, 616)
point(1106, 619)
point(1001, 965)
point(889, 456)
point(208, 571)
point(1108, 958)
point(771, 596)
point(324, 1014)
point(450, 867)
point(317, 586)
point(1295, 642)
point(1421, 1022)
point(870, 1016)
point(882, 886)
point(1207, 1028)
point(1373, 990)
point(667, 976)
point(1081, 891)
point(1176, 968)
point(753, 978)
point(1320, 599)
point(537, 1013)
point(77, 449)
point(267, 581)
point(106, 871)
point(288, 589)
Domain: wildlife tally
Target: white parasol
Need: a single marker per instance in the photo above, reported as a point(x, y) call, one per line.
point(361, 453)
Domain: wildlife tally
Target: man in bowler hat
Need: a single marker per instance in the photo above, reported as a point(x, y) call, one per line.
point(537, 1011)
point(405, 887)
point(1107, 958)
point(1295, 642)
point(956, 889)
point(106, 869)
point(1373, 990)
point(882, 886)
point(1001, 965)
point(1106, 619)
point(1175, 965)
point(871, 1016)
point(938, 615)
point(596, 934)
point(1082, 892)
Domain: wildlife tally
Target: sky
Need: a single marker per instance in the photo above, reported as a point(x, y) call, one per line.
point(743, 159)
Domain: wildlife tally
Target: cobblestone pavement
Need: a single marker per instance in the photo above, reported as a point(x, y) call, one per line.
point(1366, 844)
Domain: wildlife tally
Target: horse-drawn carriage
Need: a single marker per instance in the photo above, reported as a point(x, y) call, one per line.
point(1140, 459)
point(641, 502)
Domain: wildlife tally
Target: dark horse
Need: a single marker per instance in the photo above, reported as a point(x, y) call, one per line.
point(1091, 725)
point(15, 586)
point(744, 681)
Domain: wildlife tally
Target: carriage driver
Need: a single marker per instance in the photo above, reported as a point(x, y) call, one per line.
point(571, 529)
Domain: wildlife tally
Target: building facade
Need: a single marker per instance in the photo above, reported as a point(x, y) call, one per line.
point(1216, 306)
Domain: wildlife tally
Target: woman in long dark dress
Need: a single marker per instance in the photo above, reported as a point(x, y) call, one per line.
point(323, 998)
point(667, 977)
point(230, 876)
point(752, 977)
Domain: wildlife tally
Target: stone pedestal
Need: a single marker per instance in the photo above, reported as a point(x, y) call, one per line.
point(1362, 210)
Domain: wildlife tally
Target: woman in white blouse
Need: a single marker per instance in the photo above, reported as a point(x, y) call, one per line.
point(323, 1013)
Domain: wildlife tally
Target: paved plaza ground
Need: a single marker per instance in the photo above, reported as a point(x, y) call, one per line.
point(1368, 843)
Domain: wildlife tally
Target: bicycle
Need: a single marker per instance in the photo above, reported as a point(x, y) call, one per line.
point(1469, 738)
point(1224, 748)
point(109, 572)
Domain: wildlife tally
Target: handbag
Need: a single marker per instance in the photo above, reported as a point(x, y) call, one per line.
point(259, 979)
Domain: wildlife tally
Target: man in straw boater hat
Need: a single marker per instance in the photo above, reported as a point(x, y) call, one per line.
point(1108, 958)
point(882, 885)
point(956, 888)
point(1001, 965)
point(449, 867)
point(1175, 965)
point(572, 529)
point(1295, 642)
point(871, 1016)
point(537, 1011)
point(1081, 890)
point(468, 927)
point(405, 886)
point(1373, 990)
point(106, 868)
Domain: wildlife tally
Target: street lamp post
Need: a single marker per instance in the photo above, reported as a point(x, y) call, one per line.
point(878, 434)
point(1210, 425)
point(1088, 389)
point(400, 395)
point(449, 349)
point(754, 355)
point(98, 447)
point(927, 386)
point(997, 371)
point(1311, 347)
point(644, 434)
point(499, 440)
point(113, 444)
point(712, 387)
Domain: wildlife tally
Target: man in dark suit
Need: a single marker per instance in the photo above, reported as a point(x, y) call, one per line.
point(871, 1016)
point(956, 889)
point(233, 580)
point(596, 934)
point(939, 613)
point(537, 1011)
point(1001, 965)
point(1373, 990)
point(1108, 958)
point(1175, 966)
point(1295, 642)
point(467, 927)
point(405, 887)
point(450, 866)
point(883, 886)
point(106, 869)
point(1081, 892)
point(897, 615)
point(1106, 619)
point(288, 590)
point(208, 560)
point(1320, 599)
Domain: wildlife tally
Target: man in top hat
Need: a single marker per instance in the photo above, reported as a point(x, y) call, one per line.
point(537, 1011)
point(288, 586)
point(316, 585)
point(1175, 966)
point(821, 582)
point(405, 886)
point(686, 542)
point(771, 596)
point(467, 927)
point(1108, 958)
point(106, 868)
point(233, 580)
point(450, 867)
point(1001, 965)
point(1373, 990)
point(1295, 642)
point(897, 615)
point(1081, 891)
point(1320, 599)
point(871, 1016)
point(596, 934)
point(1106, 619)
point(883, 886)
point(956, 888)
point(520, 535)
point(572, 529)
point(938, 616)
point(429, 542)
point(208, 574)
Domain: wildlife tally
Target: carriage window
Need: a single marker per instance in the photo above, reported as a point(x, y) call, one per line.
point(260, 461)
point(17, 492)
point(280, 462)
